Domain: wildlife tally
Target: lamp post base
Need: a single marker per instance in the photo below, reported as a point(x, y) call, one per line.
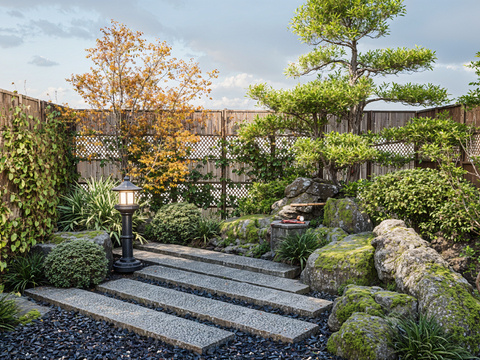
point(127, 265)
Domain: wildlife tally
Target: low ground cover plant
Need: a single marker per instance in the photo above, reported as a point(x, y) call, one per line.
point(424, 339)
point(25, 272)
point(76, 264)
point(175, 223)
point(93, 208)
point(8, 313)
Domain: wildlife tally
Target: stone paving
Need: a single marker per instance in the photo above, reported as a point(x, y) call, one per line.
point(168, 328)
point(288, 302)
point(230, 260)
point(224, 272)
point(253, 321)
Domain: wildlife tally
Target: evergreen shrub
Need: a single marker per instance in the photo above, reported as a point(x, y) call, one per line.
point(77, 263)
point(175, 223)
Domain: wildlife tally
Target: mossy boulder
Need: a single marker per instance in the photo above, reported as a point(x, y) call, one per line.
point(99, 237)
point(371, 300)
point(248, 229)
point(341, 262)
point(347, 215)
point(330, 234)
point(418, 270)
point(362, 337)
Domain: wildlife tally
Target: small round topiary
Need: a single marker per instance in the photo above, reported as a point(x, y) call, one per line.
point(174, 224)
point(77, 263)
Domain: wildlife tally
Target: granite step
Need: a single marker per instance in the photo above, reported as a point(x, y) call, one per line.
point(171, 329)
point(286, 301)
point(253, 321)
point(221, 271)
point(229, 260)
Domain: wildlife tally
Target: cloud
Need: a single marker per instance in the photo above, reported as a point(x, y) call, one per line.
point(79, 29)
point(15, 13)
point(41, 61)
point(9, 41)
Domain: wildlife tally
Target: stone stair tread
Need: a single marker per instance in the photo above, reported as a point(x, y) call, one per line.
point(257, 322)
point(229, 260)
point(288, 302)
point(221, 271)
point(171, 329)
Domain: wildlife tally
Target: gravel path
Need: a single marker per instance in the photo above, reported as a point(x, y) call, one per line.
point(68, 335)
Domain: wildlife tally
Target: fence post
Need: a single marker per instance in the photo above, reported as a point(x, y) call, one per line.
point(369, 128)
point(224, 157)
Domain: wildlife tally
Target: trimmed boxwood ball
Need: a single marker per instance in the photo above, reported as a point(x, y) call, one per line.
point(76, 264)
point(174, 224)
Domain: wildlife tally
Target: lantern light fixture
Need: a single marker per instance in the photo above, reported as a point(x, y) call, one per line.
point(126, 207)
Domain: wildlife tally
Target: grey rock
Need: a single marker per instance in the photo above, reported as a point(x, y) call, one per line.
point(99, 237)
point(418, 270)
point(322, 190)
point(372, 332)
point(268, 256)
point(340, 263)
point(330, 234)
point(346, 214)
point(299, 186)
point(257, 322)
point(278, 205)
point(247, 229)
point(397, 304)
point(288, 302)
point(388, 225)
point(304, 198)
point(354, 299)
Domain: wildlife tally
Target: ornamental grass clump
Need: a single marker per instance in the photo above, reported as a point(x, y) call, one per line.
point(93, 208)
point(424, 340)
point(77, 263)
point(175, 223)
point(25, 272)
point(8, 313)
point(296, 248)
point(208, 228)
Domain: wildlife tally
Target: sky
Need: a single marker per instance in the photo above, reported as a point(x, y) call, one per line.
point(43, 42)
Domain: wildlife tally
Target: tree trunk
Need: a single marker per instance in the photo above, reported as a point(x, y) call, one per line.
point(478, 282)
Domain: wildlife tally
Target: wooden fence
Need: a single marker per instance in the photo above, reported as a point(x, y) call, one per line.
point(223, 124)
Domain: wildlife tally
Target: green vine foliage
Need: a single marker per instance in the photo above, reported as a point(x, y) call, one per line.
point(36, 162)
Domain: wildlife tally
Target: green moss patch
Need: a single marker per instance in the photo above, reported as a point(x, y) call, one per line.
point(357, 299)
point(29, 317)
point(247, 228)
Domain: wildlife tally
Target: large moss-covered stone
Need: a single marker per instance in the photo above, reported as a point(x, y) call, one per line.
point(346, 214)
point(330, 234)
point(418, 270)
point(342, 262)
point(300, 185)
point(99, 237)
point(362, 337)
point(248, 229)
point(371, 300)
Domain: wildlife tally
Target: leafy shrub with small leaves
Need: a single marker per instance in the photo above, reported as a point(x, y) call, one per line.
point(420, 197)
point(261, 249)
point(296, 248)
point(25, 272)
point(424, 340)
point(175, 223)
point(261, 197)
point(93, 208)
point(8, 313)
point(77, 263)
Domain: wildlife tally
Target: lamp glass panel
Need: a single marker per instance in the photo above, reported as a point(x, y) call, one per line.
point(130, 198)
point(123, 198)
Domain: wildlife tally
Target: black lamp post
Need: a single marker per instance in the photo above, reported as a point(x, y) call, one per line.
point(127, 206)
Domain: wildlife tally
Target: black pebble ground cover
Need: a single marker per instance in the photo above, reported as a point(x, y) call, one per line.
point(69, 335)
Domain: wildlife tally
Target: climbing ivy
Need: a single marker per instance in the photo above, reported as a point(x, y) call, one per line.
point(37, 164)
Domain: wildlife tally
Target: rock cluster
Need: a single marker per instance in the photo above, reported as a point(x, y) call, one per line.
point(418, 270)
point(303, 191)
point(347, 215)
point(243, 235)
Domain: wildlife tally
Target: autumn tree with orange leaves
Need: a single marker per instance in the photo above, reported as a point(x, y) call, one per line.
point(140, 98)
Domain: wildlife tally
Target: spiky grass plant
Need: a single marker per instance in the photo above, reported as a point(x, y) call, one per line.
point(8, 313)
point(424, 339)
point(25, 272)
point(208, 228)
point(93, 208)
point(296, 248)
